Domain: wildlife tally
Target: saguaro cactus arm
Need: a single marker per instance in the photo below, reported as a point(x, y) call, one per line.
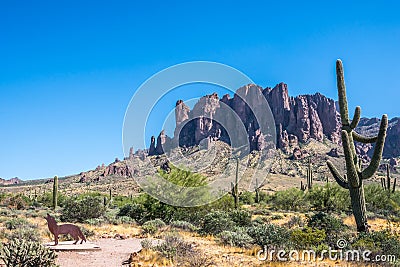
point(344, 113)
point(356, 118)
point(364, 139)
point(378, 150)
point(351, 167)
point(335, 173)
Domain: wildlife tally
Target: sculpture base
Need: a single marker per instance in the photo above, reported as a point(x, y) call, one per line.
point(69, 246)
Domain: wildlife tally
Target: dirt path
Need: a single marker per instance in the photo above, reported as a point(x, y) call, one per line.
point(113, 252)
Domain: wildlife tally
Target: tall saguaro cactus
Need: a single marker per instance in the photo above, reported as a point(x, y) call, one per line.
point(353, 179)
point(55, 191)
point(234, 186)
point(309, 175)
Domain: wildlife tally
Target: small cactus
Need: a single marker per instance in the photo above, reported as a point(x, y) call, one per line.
point(257, 189)
point(386, 185)
point(234, 186)
point(55, 191)
point(304, 187)
point(309, 175)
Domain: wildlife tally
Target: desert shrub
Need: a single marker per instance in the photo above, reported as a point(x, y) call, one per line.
point(216, 222)
point(145, 208)
point(16, 202)
point(194, 189)
point(291, 199)
point(15, 223)
point(333, 227)
point(24, 233)
point(260, 220)
point(269, 235)
point(79, 210)
point(87, 232)
point(195, 215)
point(264, 197)
point(135, 211)
point(247, 198)
point(261, 211)
point(47, 199)
point(123, 220)
point(276, 217)
point(121, 201)
point(195, 258)
point(184, 225)
point(240, 217)
point(239, 238)
point(173, 247)
point(379, 242)
point(295, 221)
point(379, 201)
point(307, 238)
point(95, 221)
point(329, 198)
point(151, 227)
point(146, 243)
point(27, 254)
point(21, 229)
point(5, 212)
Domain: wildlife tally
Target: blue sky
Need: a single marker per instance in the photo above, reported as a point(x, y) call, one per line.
point(69, 68)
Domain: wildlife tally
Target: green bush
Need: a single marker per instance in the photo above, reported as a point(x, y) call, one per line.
point(79, 210)
point(240, 217)
point(18, 202)
point(121, 201)
point(95, 221)
point(151, 227)
point(135, 211)
point(379, 201)
point(187, 226)
point(260, 221)
point(24, 233)
point(307, 238)
point(292, 199)
point(216, 222)
point(87, 232)
point(379, 242)
point(329, 198)
point(334, 228)
point(27, 254)
point(174, 247)
point(269, 235)
point(21, 229)
point(15, 223)
point(238, 238)
point(247, 198)
point(47, 199)
point(146, 243)
point(295, 221)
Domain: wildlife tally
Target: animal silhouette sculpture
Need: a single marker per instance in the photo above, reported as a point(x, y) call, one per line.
point(68, 228)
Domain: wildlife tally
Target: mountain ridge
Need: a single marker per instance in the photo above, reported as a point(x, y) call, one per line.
point(298, 119)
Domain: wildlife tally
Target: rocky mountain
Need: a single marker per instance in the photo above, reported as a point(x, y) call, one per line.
point(297, 120)
point(14, 180)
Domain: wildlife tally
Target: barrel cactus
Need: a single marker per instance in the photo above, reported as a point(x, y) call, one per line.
point(353, 179)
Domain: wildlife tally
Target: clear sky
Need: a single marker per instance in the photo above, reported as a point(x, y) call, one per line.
point(69, 68)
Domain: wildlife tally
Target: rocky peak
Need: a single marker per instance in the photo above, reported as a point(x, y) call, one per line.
point(181, 112)
point(297, 120)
